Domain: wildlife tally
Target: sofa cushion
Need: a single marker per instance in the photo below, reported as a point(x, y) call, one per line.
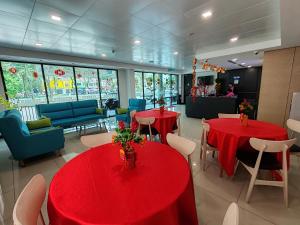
point(67, 122)
point(99, 111)
point(43, 130)
point(59, 114)
point(89, 117)
point(53, 107)
point(84, 104)
point(121, 111)
point(84, 111)
point(15, 114)
point(36, 124)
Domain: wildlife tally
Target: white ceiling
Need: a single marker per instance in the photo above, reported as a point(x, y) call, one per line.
point(90, 28)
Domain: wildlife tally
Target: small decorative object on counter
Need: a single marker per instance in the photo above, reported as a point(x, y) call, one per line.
point(127, 138)
point(161, 102)
point(245, 109)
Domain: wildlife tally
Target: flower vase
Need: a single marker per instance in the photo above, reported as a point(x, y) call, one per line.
point(244, 120)
point(129, 158)
point(161, 109)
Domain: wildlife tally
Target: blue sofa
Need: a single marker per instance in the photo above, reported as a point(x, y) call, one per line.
point(134, 104)
point(25, 144)
point(68, 114)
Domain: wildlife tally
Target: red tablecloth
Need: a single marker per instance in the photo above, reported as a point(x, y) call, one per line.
point(228, 135)
point(94, 189)
point(164, 122)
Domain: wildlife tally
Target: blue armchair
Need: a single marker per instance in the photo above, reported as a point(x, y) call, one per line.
point(134, 104)
point(25, 144)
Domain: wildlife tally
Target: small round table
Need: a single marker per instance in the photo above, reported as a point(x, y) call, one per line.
point(164, 122)
point(228, 135)
point(94, 188)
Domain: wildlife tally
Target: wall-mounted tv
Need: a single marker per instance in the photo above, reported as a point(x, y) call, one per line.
point(205, 80)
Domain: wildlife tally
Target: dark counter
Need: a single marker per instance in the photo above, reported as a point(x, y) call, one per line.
point(209, 107)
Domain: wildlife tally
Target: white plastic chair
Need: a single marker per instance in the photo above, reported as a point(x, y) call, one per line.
point(178, 130)
point(146, 121)
point(27, 210)
point(184, 146)
point(268, 162)
point(97, 139)
point(205, 147)
point(232, 215)
point(226, 115)
point(294, 126)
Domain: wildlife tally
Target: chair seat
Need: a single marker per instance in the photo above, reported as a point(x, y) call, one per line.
point(268, 161)
point(145, 130)
point(295, 148)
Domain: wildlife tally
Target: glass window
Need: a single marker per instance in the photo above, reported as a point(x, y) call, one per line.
point(174, 86)
point(166, 78)
point(108, 84)
point(60, 83)
point(87, 84)
point(159, 88)
point(149, 90)
point(138, 85)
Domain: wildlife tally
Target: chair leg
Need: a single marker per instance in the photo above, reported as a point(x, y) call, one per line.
point(213, 154)
point(251, 185)
point(285, 188)
point(203, 159)
point(221, 172)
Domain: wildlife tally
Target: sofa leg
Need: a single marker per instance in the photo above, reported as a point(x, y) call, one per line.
point(21, 163)
point(58, 153)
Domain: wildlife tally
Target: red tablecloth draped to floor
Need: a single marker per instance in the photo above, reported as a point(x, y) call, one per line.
point(93, 188)
point(164, 122)
point(228, 135)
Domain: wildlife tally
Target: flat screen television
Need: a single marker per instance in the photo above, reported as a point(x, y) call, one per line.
point(205, 80)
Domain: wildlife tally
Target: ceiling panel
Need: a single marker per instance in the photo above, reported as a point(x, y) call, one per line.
point(45, 27)
point(18, 7)
point(134, 26)
point(76, 7)
point(44, 12)
point(13, 20)
point(39, 37)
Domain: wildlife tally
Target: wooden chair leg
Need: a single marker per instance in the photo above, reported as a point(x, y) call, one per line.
point(285, 188)
point(251, 185)
point(203, 160)
point(221, 172)
point(213, 154)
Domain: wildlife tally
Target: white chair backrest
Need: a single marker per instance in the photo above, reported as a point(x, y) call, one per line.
point(27, 210)
point(97, 139)
point(232, 215)
point(226, 115)
point(181, 144)
point(132, 113)
point(145, 120)
point(205, 132)
point(293, 125)
point(271, 146)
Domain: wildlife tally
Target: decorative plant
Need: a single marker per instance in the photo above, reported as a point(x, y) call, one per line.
point(246, 107)
point(161, 102)
point(126, 137)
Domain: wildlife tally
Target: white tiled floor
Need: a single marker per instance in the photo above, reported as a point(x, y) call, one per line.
point(213, 194)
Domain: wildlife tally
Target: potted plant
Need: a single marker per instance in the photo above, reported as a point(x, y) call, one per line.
point(161, 102)
point(245, 109)
point(126, 138)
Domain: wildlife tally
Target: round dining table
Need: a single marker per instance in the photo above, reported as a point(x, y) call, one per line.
point(228, 135)
point(164, 122)
point(94, 188)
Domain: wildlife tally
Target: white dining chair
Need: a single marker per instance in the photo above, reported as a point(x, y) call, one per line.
point(205, 148)
point(294, 126)
point(27, 210)
point(227, 115)
point(132, 114)
point(146, 121)
point(182, 145)
point(97, 139)
point(178, 129)
point(232, 215)
point(265, 158)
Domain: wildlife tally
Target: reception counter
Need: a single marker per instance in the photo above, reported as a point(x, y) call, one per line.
point(209, 107)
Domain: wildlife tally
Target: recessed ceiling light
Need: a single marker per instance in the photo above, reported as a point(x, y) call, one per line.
point(103, 55)
point(206, 14)
point(243, 64)
point(56, 18)
point(234, 60)
point(38, 44)
point(137, 42)
point(249, 66)
point(234, 39)
point(175, 53)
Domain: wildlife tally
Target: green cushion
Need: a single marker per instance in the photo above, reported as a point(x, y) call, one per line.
point(121, 111)
point(37, 124)
point(99, 111)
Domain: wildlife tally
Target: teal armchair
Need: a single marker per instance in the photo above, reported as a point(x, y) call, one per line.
point(134, 104)
point(25, 144)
